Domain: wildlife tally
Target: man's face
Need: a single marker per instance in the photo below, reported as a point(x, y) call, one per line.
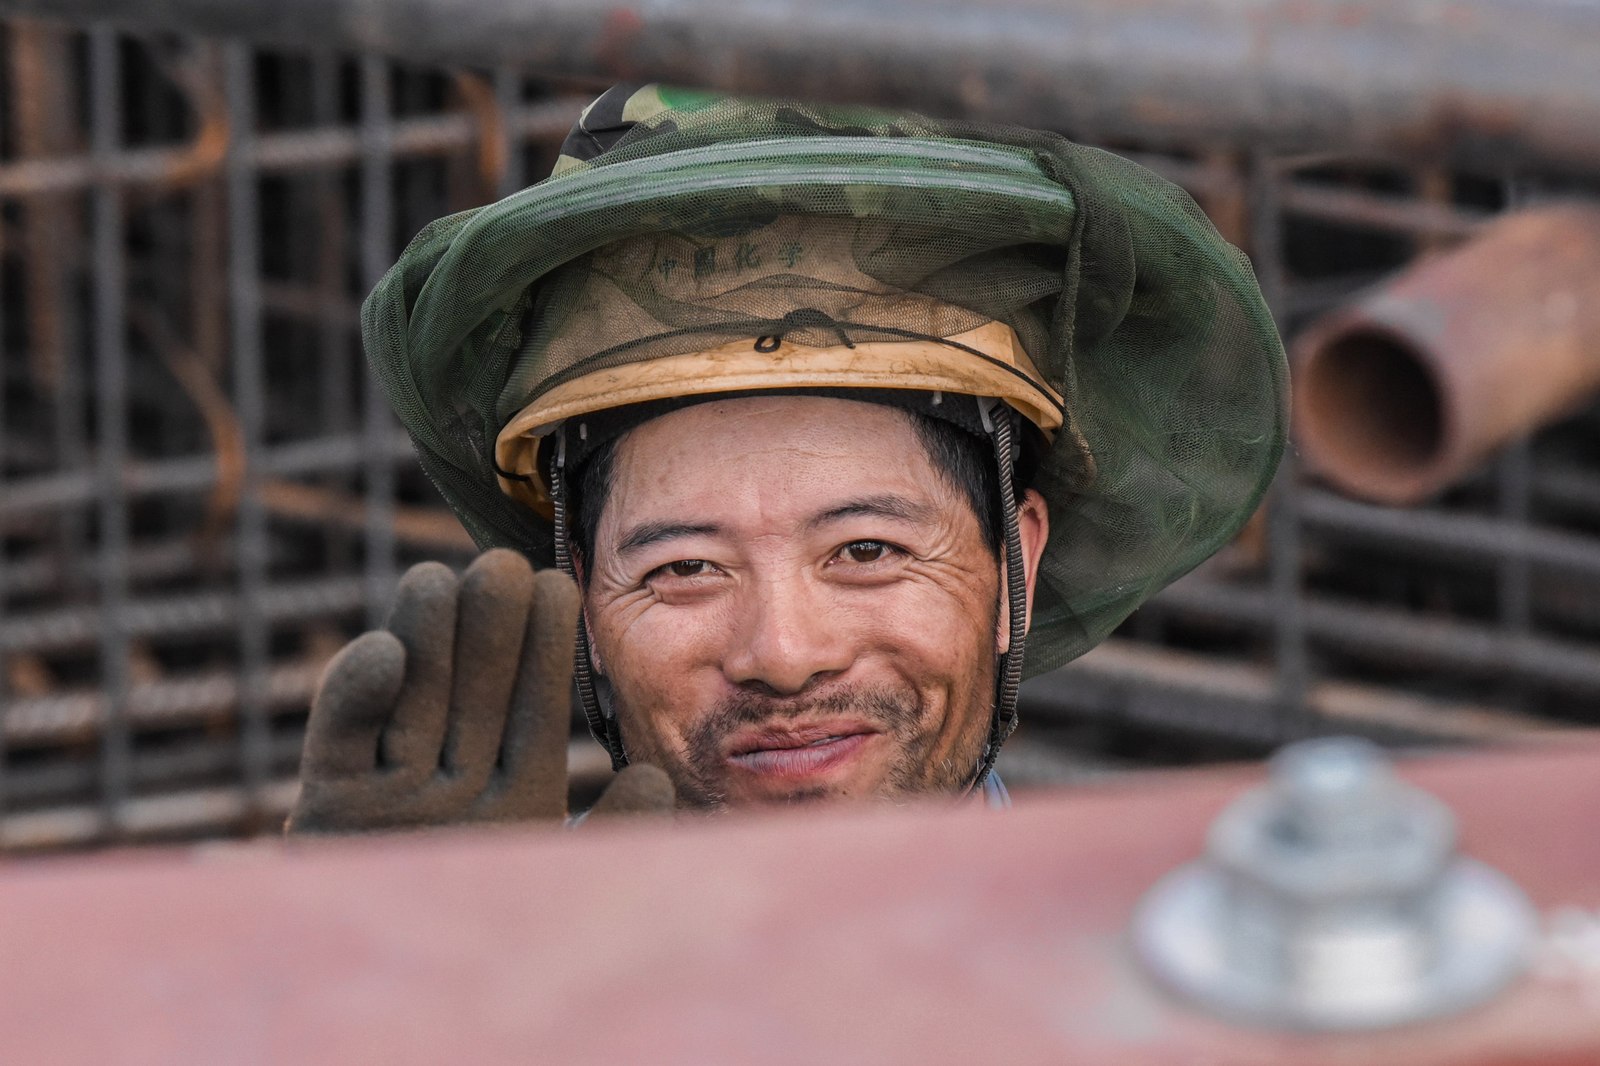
point(791, 603)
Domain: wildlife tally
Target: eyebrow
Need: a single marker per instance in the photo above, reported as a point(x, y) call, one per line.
point(647, 533)
point(887, 506)
point(899, 508)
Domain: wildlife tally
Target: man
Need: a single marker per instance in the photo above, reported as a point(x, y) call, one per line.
point(841, 422)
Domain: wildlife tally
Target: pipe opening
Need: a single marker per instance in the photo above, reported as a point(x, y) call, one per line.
point(1372, 415)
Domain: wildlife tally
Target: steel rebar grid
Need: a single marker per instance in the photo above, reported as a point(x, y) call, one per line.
point(1353, 628)
point(27, 632)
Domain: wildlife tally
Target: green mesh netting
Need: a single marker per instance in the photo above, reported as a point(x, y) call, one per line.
point(1149, 324)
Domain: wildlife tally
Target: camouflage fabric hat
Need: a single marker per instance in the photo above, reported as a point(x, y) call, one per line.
point(678, 223)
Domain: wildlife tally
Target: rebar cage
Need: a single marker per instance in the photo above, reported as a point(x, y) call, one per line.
point(202, 495)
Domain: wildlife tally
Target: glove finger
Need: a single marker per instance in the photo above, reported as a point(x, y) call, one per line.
point(424, 619)
point(354, 701)
point(637, 789)
point(533, 757)
point(492, 616)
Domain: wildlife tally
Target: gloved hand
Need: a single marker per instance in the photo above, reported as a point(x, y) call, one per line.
point(457, 711)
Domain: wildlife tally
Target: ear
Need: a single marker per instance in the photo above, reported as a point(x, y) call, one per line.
point(1033, 525)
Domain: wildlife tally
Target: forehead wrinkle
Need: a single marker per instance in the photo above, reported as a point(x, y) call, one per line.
point(776, 453)
point(883, 505)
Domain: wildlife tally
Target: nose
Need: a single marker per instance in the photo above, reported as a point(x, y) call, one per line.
point(787, 639)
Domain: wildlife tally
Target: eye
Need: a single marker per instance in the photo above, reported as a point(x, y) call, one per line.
point(683, 578)
point(866, 551)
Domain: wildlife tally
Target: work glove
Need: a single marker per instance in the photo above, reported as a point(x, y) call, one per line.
point(457, 711)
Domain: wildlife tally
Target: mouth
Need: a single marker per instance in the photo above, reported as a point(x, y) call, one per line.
point(800, 751)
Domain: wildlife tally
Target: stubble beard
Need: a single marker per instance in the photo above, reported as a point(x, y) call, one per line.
point(901, 714)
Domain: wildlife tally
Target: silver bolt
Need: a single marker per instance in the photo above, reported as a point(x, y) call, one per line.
point(1332, 898)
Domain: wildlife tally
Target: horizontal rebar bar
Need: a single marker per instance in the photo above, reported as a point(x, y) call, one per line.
point(1152, 686)
point(64, 780)
point(39, 572)
point(210, 612)
point(193, 813)
point(212, 696)
point(1371, 210)
point(1478, 81)
point(197, 473)
point(1453, 535)
point(1398, 638)
point(281, 152)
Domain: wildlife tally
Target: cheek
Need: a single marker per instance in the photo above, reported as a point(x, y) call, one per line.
point(946, 619)
point(947, 649)
point(936, 639)
point(662, 664)
point(935, 632)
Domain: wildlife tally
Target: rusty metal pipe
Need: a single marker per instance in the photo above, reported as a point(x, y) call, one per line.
point(1403, 392)
point(1441, 80)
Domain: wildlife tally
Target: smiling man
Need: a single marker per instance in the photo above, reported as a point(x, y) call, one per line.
point(840, 423)
point(783, 615)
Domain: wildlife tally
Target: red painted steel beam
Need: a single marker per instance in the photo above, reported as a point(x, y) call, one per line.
point(1488, 82)
point(916, 936)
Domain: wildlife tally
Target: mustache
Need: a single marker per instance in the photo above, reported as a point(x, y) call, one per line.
point(897, 712)
point(881, 704)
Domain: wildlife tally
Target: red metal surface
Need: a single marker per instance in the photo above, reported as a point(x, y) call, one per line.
point(915, 936)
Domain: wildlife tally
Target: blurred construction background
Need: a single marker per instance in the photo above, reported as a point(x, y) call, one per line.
point(202, 497)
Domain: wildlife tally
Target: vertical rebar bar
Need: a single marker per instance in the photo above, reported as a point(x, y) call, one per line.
point(420, 191)
point(43, 104)
point(1290, 659)
point(377, 224)
point(336, 354)
point(5, 428)
point(1514, 501)
point(1514, 591)
point(208, 265)
point(333, 338)
point(41, 99)
point(249, 395)
point(508, 98)
point(111, 430)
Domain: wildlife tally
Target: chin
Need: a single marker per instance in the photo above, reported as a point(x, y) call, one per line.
point(807, 797)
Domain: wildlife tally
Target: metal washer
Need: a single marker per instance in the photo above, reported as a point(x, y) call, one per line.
point(1481, 928)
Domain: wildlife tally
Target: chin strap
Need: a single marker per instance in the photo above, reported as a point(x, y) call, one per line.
point(602, 725)
point(1008, 679)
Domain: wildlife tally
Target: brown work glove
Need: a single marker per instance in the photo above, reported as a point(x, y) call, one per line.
point(458, 711)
